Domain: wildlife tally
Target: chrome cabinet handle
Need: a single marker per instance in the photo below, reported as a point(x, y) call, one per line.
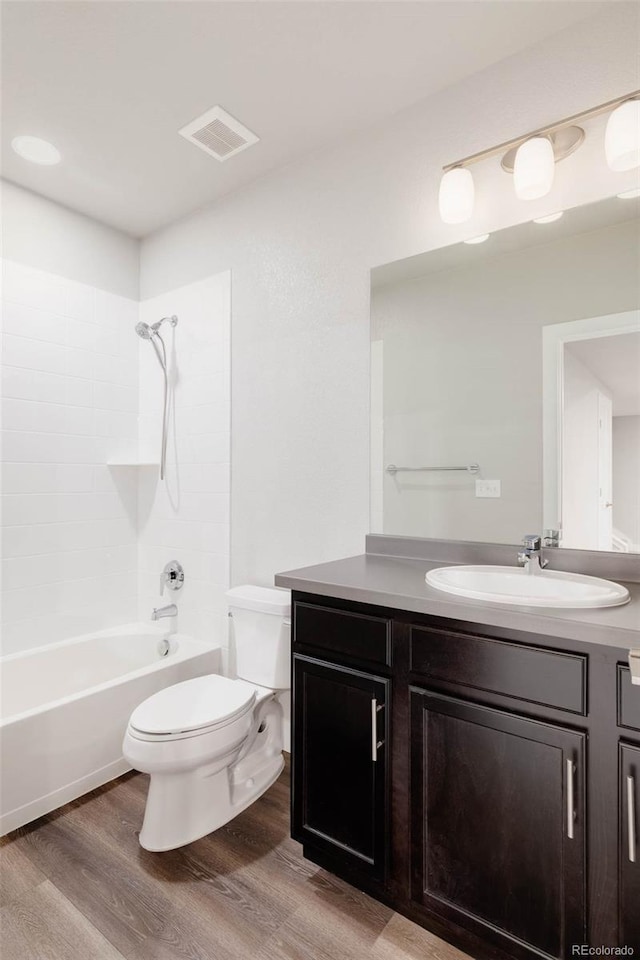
point(631, 818)
point(570, 800)
point(375, 743)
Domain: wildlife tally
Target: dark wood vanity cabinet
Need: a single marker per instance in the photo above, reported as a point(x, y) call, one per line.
point(629, 854)
point(499, 807)
point(497, 820)
point(340, 765)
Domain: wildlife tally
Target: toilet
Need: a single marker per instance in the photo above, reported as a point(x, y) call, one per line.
point(213, 745)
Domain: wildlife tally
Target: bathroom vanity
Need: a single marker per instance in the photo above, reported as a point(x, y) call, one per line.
point(476, 768)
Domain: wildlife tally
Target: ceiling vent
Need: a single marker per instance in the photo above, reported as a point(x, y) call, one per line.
point(218, 134)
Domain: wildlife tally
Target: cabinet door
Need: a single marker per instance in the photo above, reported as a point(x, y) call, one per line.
point(339, 763)
point(630, 846)
point(498, 827)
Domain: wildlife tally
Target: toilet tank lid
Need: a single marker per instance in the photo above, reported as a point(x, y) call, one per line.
point(262, 599)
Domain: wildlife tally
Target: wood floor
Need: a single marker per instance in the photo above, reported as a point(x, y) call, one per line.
point(75, 885)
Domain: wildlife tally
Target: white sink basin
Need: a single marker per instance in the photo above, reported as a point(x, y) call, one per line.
point(547, 588)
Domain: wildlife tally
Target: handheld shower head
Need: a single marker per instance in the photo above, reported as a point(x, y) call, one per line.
point(151, 332)
point(144, 330)
point(147, 331)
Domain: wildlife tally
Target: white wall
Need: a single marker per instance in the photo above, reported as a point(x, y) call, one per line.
point(301, 243)
point(188, 517)
point(626, 477)
point(69, 387)
point(463, 377)
point(42, 234)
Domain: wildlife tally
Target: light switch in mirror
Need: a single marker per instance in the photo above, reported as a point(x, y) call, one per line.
point(519, 357)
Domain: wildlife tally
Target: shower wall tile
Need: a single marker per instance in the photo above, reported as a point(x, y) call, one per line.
point(83, 543)
point(187, 518)
point(69, 539)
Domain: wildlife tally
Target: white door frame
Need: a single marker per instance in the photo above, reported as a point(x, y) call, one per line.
point(554, 338)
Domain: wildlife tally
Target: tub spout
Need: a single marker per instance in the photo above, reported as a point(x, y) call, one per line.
point(160, 612)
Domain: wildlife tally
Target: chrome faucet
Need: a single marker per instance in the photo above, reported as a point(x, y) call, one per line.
point(531, 556)
point(160, 612)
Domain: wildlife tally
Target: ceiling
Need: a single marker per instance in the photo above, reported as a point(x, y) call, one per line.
point(110, 84)
point(615, 362)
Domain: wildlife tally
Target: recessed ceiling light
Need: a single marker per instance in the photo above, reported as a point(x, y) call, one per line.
point(480, 239)
point(550, 218)
point(36, 150)
point(630, 194)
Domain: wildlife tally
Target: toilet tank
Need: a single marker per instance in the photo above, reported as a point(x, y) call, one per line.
point(262, 633)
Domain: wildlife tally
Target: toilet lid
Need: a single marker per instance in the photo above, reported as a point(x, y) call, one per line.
point(193, 705)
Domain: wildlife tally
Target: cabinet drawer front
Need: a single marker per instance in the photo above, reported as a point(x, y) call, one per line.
point(352, 634)
point(534, 674)
point(628, 700)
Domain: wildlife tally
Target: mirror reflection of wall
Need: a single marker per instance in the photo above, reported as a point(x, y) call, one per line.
point(457, 358)
point(601, 443)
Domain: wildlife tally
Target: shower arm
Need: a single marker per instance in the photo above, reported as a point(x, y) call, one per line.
point(172, 320)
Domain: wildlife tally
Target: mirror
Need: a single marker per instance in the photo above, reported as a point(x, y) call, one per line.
point(505, 385)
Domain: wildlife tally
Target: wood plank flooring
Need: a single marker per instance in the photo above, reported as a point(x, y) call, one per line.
point(76, 885)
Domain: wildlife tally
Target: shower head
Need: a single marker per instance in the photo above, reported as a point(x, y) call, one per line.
point(150, 332)
point(144, 330)
point(147, 331)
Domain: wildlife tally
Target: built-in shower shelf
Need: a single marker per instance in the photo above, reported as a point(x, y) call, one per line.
point(133, 463)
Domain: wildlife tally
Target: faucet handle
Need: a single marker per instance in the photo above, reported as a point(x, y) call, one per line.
point(532, 541)
point(172, 576)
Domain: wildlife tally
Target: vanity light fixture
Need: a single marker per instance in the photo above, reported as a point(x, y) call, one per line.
point(550, 217)
point(456, 195)
point(531, 158)
point(622, 136)
point(533, 168)
point(480, 239)
point(36, 150)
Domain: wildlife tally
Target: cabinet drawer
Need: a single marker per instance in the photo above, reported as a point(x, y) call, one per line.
point(628, 700)
point(352, 634)
point(534, 674)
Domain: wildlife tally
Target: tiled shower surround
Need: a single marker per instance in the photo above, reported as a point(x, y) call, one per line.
point(85, 531)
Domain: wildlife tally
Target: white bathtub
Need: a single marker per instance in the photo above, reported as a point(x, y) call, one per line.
point(65, 708)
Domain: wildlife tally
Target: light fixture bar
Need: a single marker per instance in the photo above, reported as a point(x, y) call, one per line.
point(542, 131)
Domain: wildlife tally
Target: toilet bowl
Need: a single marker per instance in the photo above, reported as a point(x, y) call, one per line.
point(213, 745)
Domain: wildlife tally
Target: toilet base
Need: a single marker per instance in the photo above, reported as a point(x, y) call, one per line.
point(185, 806)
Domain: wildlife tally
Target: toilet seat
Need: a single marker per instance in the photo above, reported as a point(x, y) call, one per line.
point(192, 708)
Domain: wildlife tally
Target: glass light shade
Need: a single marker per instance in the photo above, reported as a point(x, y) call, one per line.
point(533, 168)
point(622, 137)
point(456, 195)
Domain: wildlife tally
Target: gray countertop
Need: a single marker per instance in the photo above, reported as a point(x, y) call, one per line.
point(399, 583)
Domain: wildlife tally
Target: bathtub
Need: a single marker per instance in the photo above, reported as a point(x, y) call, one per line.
point(65, 708)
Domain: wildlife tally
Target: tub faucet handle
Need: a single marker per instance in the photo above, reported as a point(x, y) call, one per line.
point(172, 576)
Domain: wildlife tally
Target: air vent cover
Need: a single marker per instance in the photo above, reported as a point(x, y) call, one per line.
point(218, 134)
